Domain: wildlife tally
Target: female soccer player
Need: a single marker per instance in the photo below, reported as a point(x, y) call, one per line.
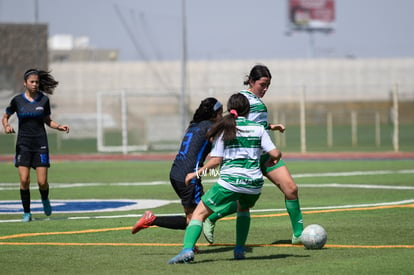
point(238, 146)
point(32, 151)
point(258, 81)
point(193, 151)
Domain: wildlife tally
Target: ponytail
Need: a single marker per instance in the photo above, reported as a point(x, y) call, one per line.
point(238, 105)
point(208, 109)
point(47, 83)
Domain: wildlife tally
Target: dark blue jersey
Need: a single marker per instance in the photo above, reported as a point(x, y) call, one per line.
point(193, 150)
point(31, 115)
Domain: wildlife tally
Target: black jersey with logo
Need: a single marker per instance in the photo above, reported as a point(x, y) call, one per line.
point(193, 150)
point(31, 116)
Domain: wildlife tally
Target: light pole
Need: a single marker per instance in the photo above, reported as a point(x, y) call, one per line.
point(37, 39)
point(182, 105)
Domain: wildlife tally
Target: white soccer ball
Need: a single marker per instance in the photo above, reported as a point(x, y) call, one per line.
point(314, 236)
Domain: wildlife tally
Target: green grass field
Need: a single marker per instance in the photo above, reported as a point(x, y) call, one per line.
point(366, 140)
point(365, 206)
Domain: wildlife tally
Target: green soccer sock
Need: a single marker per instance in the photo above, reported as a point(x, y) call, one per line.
point(242, 228)
point(295, 214)
point(232, 208)
point(192, 233)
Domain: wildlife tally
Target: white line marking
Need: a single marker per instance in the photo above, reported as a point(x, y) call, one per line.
point(354, 173)
point(302, 185)
point(253, 211)
point(362, 186)
point(15, 186)
point(342, 206)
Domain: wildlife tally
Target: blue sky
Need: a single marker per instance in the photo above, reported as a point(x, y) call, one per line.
point(223, 29)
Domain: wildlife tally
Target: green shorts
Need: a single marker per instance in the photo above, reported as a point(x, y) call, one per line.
point(266, 169)
point(218, 199)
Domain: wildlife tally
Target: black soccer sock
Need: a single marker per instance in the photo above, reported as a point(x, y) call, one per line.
point(25, 197)
point(44, 194)
point(174, 222)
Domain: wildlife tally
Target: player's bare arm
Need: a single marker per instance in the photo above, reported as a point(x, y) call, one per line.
point(54, 125)
point(277, 127)
point(212, 163)
point(8, 129)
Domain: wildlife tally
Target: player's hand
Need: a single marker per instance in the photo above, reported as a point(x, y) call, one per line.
point(63, 128)
point(189, 177)
point(271, 162)
point(9, 129)
point(277, 127)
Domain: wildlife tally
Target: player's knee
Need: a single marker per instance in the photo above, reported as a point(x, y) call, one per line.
point(43, 185)
point(24, 183)
point(291, 192)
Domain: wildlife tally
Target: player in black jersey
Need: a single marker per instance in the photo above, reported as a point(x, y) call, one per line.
point(193, 151)
point(32, 108)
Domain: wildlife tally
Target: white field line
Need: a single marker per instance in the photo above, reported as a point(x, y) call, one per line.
point(361, 186)
point(12, 186)
point(342, 206)
point(354, 173)
point(15, 186)
point(253, 211)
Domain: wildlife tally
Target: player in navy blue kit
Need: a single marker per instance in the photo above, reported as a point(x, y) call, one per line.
point(193, 151)
point(32, 108)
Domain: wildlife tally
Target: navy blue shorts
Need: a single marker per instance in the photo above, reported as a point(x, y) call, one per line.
point(29, 158)
point(190, 195)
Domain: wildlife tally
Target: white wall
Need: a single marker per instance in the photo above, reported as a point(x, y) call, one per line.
point(325, 80)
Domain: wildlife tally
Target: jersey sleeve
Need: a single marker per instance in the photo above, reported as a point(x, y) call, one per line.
point(47, 111)
point(267, 144)
point(218, 147)
point(11, 109)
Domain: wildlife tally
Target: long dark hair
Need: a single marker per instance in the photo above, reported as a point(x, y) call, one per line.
point(208, 109)
point(47, 82)
point(237, 105)
point(257, 72)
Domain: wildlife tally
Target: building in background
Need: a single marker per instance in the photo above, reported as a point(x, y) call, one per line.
point(67, 48)
point(99, 96)
point(23, 46)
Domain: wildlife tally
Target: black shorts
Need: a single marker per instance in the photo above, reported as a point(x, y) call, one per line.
point(190, 195)
point(31, 158)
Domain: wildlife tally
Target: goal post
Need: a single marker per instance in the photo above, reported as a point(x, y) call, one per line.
point(129, 121)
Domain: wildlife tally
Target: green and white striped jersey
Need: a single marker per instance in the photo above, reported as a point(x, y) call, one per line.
point(258, 110)
point(240, 170)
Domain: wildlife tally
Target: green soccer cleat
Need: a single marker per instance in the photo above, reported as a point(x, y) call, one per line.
point(186, 256)
point(208, 230)
point(296, 240)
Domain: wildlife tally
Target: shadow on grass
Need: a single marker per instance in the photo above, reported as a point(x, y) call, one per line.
point(275, 256)
point(216, 249)
point(212, 249)
point(248, 257)
point(282, 242)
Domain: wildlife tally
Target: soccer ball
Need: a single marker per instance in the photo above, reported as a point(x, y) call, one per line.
point(314, 236)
